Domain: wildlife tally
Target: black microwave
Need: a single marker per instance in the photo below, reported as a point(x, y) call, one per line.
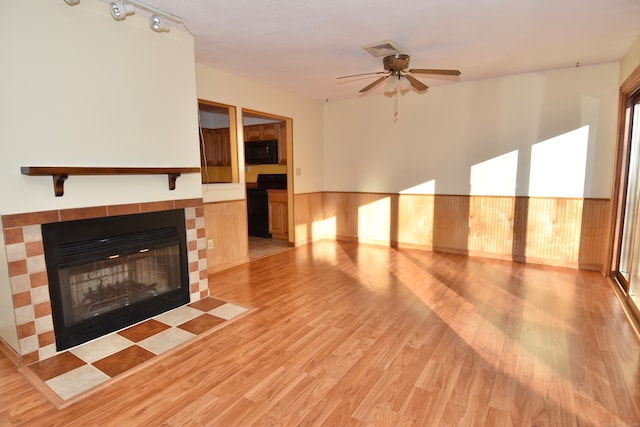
point(261, 152)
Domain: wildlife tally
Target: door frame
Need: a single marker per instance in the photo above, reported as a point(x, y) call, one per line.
point(290, 194)
point(628, 89)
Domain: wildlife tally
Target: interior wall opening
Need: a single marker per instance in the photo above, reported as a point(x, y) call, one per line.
point(267, 143)
point(218, 143)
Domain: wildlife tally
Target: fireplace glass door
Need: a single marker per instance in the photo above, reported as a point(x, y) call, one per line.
point(98, 287)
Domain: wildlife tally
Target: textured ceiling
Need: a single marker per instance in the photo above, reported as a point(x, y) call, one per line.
point(303, 45)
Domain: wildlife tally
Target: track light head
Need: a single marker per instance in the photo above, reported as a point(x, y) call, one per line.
point(119, 10)
point(158, 24)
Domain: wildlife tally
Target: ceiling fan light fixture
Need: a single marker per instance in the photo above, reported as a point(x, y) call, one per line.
point(403, 83)
point(392, 84)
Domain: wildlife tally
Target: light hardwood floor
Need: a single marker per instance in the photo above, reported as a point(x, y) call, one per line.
point(355, 335)
point(260, 247)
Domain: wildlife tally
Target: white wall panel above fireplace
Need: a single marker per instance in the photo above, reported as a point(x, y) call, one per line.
point(105, 94)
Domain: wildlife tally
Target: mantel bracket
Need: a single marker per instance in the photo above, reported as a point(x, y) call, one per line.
point(172, 180)
point(58, 183)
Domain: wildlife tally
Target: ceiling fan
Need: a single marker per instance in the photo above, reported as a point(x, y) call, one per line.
point(397, 68)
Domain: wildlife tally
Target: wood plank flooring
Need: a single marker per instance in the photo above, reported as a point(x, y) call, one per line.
point(355, 335)
point(260, 247)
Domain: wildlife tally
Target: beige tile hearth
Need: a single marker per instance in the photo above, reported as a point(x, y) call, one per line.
point(166, 340)
point(74, 382)
point(75, 373)
point(101, 347)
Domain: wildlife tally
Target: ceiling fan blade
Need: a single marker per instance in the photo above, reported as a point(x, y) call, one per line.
point(363, 74)
point(434, 71)
point(415, 82)
point(366, 88)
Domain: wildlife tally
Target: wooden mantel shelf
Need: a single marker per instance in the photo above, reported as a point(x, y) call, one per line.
point(61, 173)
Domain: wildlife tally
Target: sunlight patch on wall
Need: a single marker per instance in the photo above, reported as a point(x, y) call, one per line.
point(374, 221)
point(324, 228)
point(496, 176)
point(428, 187)
point(558, 165)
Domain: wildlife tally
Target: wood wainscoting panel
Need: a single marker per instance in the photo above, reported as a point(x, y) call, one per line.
point(413, 221)
point(226, 225)
point(451, 227)
point(363, 217)
point(491, 225)
point(594, 236)
point(567, 231)
point(309, 218)
point(554, 231)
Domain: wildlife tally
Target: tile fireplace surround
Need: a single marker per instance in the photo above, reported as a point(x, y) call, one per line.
point(28, 275)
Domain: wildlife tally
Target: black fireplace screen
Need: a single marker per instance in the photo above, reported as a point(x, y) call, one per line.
point(102, 286)
point(109, 273)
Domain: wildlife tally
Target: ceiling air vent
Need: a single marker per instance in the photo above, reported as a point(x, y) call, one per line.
point(382, 48)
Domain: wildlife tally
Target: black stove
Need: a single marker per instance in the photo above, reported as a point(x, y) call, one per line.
point(258, 202)
point(272, 181)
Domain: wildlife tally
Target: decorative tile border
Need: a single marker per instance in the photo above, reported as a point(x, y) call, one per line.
point(28, 272)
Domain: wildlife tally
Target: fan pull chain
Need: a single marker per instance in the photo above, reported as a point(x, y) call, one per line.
point(395, 108)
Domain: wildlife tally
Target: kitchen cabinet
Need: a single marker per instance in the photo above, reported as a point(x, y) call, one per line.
point(217, 147)
point(278, 214)
point(262, 132)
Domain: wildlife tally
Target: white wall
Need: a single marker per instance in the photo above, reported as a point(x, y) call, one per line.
point(81, 89)
point(630, 61)
point(494, 137)
point(219, 86)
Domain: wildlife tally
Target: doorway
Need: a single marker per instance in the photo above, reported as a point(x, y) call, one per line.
point(269, 173)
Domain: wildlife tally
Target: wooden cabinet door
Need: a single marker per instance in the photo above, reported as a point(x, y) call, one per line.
point(217, 149)
point(269, 131)
point(206, 149)
point(225, 149)
point(252, 133)
point(278, 214)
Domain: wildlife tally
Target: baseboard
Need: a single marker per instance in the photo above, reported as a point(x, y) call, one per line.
point(10, 353)
point(217, 268)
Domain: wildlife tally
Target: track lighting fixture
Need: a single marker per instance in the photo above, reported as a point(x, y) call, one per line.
point(119, 10)
point(157, 21)
point(158, 24)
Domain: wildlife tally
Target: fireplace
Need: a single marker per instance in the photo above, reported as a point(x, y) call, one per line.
point(111, 272)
